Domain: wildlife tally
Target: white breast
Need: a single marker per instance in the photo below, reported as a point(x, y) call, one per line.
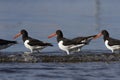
point(33, 47)
point(112, 48)
point(62, 47)
point(27, 45)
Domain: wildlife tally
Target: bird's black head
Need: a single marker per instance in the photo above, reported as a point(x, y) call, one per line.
point(24, 34)
point(59, 33)
point(105, 33)
point(23, 31)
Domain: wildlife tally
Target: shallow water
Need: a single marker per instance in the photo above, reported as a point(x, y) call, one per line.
point(60, 71)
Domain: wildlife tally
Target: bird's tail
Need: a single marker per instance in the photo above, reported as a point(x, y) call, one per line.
point(49, 44)
point(91, 37)
point(14, 42)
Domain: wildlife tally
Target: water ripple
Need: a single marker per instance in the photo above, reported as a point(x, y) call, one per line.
point(60, 71)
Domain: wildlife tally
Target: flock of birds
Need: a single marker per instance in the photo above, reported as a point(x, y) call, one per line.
point(67, 45)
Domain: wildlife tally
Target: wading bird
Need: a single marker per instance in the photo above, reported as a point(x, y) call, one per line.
point(31, 43)
point(110, 43)
point(71, 45)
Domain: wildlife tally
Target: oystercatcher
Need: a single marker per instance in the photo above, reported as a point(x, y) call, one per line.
point(70, 45)
point(110, 43)
point(6, 43)
point(31, 43)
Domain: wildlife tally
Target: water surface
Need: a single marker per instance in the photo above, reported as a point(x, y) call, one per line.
point(60, 71)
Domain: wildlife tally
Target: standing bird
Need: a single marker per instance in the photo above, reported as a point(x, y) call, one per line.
point(6, 43)
point(70, 45)
point(110, 43)
point(31, 43)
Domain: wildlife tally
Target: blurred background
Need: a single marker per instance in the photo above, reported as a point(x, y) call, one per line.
point(74, 17)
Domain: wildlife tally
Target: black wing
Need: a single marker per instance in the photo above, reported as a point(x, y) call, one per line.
point(5, 42)
point(35, 42)
point(83, 39)
point(113, 42)
point(70, 42)
point(67, 42)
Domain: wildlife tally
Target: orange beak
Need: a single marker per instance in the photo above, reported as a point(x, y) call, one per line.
point(52, 35)
point(17, 35)
point(98, 35)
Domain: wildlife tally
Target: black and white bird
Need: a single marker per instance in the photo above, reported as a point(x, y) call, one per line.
point(71, 45)
point(6, 43)
point(110, 43)
point(31, 43)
